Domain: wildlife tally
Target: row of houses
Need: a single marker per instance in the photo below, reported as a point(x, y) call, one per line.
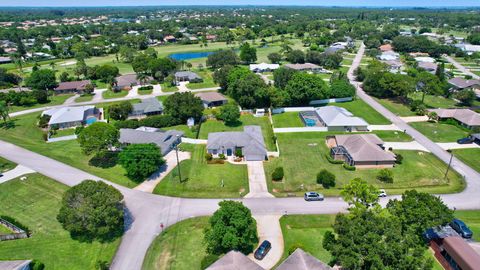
point(307, 67)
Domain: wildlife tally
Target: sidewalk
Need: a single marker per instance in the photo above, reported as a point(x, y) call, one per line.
point(257, 181)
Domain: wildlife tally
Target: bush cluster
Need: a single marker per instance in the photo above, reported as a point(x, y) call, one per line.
point(385, 175)
point(326, 179)
point(278, 174)
point(333, 161)
point(156, 121)
point(147, 87)
point(348, 167)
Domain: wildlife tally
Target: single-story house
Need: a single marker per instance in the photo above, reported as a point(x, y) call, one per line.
point(394, 66)
point(166, 140)
point(301, 260)
point(187, 76)
point(304, 67)
point(127, 81)
point(360, 150)
point(67, 117)
point(71, 87)
point(249, 141)
point(427, 66)
point(263, 67)
point(466, 117)
point(5, 59)
point(169, 38)
point(148, 106)
point(459, 83)
point(234, 260)
point(340, 119)
point(212, 99)
point(468, 48)
point(388, 56)
point(426, 59)
point(334, 49)
point(15, 265)
point(385, 48)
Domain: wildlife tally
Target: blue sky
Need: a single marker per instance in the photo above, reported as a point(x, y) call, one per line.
point(240, 2)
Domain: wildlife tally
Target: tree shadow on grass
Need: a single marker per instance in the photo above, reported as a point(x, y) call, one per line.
point(107, 159)
point(8, 125)
point(237, 123)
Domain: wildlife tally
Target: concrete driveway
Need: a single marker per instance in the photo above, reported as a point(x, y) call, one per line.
point(414, 145)
point(454, 145)
point(15, 173)
point(257, 181)
point(268, 228)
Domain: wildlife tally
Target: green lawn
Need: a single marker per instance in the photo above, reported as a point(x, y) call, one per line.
point(396, 107)
point(110, 94)
point(145, 92)
point(440, 132)
point(85, 98)
point(189, 133)
point(287, 119)
point(207, 80)
point(35, 202)
point(63, 132)
point(472, 219)
point(26, 134)
point(6, 165)
point(393, 136)
point(4, 230)
point(179, 247)
point(210, 126)
point(54, 100)
point(202, 180)
point(469, 156)
point(167, 87)
point(302, 156)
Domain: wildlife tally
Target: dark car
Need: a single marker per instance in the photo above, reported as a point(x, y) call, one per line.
point(467, 140)
point(262, 250)
point(313, 196)
point(461, 228)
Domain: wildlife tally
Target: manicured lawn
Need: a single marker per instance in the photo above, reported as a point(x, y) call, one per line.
point(202, 180)
point(26, 134)
point(54, 100)
point(189, 133)
point(207, 80)
point(110, 94)
point(361, 109)
point(302, 155)
point(395, 107)
point(35, 202)
point(6, 165)
point(469, 156)
point(4, 230)
point(179, 247)
point(210, 126)
point(85, 98)
point(167, 87)
point(145, 92)
point(472, 219)
point(393, 136)
point(440, 132)
point(287, 119)
point(63, 132)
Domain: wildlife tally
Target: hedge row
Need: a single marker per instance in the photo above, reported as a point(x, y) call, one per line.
point(157, 121)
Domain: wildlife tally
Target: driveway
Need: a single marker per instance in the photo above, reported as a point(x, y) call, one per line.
point(15, 173)
point(268, 228)
point(410, 119)
point(414, 145)
point(171, 162)
point(454, 145)
point(182, 87)
point(71, 99)
point(383, 127)
point(257, 181)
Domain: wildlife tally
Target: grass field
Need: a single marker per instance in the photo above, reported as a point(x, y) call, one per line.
point(440, 132)
point(202, 180)
point(167, 87)
point(396, 107)
point(206, 75)
point(287, 119)
point(63, 132)
point(85, 98)
point(6, 165)
point(35, 203)
point(54, 100)
point(210, 126)
point(110, 94)
point(145, 92)
point(179, 247)
point(469, 156)
point(303, 156)
point(27, 135)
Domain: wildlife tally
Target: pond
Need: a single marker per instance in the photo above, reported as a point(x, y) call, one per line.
point(189, 55)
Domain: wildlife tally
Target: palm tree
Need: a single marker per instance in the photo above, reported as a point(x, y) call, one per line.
point(4, 111)
point(142, 77)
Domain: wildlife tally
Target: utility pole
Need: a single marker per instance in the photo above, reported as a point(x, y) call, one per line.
point(449, 163)
point(178, 160)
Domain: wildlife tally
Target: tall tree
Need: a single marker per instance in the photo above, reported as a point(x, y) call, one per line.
point(183, 106)
point(98, 137)
point(248, 54)
point(140, 160)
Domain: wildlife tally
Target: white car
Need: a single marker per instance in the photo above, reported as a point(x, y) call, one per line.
point(382, 193)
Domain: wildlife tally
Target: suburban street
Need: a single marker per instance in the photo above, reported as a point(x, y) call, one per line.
point(461, 67)
point(147, 211)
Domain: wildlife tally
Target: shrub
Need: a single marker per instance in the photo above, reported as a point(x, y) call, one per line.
point(78, 129)
point(333, 161)
point(221, 156)
point(208, 156)
point(102, 265)
point(43, 121)
point(238, 153)
point(208, 260)
point(278, 174)
point(326, 179)
point(421, 110)
point(415, 104)
point(37, 265)
point(385, 175)
point(348, 167)
point(143, 88)
point(399, 159)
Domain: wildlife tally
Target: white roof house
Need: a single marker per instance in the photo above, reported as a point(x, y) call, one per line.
point(69, 116)
point(425, 59)
point(389, 56)
point(263, 67)
point(338, 118)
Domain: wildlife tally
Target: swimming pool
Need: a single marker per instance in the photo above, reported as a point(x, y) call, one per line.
point(310, 122)
point(91, 120)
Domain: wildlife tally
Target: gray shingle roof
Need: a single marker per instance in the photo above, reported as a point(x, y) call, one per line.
point(234, 260)
point(163, 139)
point(148, 105)
point(187, 74)
point(250, 140)
point(466, 116)
point(461, 83)
point(364, 147)
point(77, 85)
point(211, 96)
point(300, 260)
point(128, 80)
point(334, 116)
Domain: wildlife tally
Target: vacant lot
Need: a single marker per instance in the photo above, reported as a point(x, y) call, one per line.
point(302, 156)
point(202, 180)
point(469, 156)
point(440, 132)
point(53, 100)
point(179, 247)
point(35, 203)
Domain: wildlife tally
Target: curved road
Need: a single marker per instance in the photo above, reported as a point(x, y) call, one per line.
point(148, 211)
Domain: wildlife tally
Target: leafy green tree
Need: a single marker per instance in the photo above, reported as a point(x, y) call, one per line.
point(248, 54)
point(474, 38)
point(98, 137)
point(106, 72)
point(250, 91)
point(466, 97)
point(140, 63)
point(220, 77)
point(296, 57)
point(222, 58)
point(92, 210)
point(281, 77)
point(120, 111)
point(232, 227)
point(342, 88)
point(303, 88)
point(429, 84)
point(64, 77)
point(360, 194)
point(183, 106)
point(42, 79)
point(127, 54)
point(140, 160)
point(418, 211)
point(230, 113)
point(161, 67)
point(4, 111)
point(274, 58)
point(326, 179)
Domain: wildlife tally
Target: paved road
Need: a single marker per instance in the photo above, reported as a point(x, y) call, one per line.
point(461, 67)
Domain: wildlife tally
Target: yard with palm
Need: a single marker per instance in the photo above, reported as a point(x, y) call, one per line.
point(35, 203)
point(202, 180)
point(303, 156)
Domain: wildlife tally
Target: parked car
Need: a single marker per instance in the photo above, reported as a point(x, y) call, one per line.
point(262, 250)
point(313, 196)
point(1, 174)
point(382, 193)
point(467, 140)
point(461, 228)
